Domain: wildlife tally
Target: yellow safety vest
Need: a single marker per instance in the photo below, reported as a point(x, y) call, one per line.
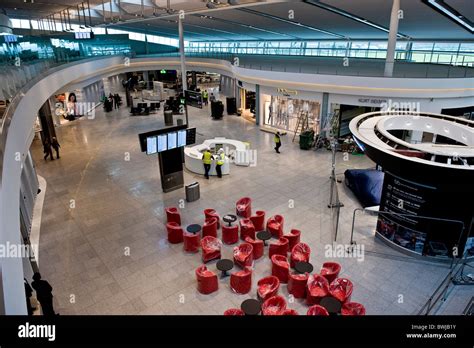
point(221, 159)
point(205, 95)
point(276, 139)
point(207, 157)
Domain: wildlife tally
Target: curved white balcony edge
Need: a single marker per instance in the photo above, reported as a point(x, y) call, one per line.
point(21, 114)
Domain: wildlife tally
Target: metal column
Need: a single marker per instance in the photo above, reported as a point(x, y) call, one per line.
point(181, 54)
point(392, 39)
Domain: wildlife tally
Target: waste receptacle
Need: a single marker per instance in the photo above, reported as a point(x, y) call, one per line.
point(231, 106)
point(168, 117)
point(179, 121)
point(193, 192)
point(306, 140)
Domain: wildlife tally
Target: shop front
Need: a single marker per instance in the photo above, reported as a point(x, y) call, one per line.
point(291, 110)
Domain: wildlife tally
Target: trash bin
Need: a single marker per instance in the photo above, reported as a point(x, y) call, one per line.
point(168, 117)
point(231, 106)
point(193, 192)
point(306, 140)
point(179, 122)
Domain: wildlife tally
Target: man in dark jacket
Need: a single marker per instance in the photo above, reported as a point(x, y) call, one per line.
point(44, 294)
point(47, 150)
point(56, 146)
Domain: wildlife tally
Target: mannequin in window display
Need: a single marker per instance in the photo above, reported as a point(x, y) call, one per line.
point(71, 107)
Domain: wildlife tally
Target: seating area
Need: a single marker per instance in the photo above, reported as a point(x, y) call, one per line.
point(325, 293)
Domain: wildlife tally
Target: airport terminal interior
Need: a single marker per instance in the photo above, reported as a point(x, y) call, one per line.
point(177, 157)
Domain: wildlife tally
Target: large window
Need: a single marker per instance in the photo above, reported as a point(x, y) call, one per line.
point(454, 53)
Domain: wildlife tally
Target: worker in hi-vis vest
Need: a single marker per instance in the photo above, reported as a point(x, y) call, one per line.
point(207, 160)
point(205, 97)
point(277, 140)
point(220, 162)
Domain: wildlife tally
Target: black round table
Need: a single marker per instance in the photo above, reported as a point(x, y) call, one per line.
point(332, 305)
point(194, 228)
point(264, 235)
point(225, 265)
point(303, 267)
point(251, 307)
point(229, 218)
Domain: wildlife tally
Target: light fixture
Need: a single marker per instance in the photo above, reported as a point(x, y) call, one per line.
point(351, 16)
point(446, 10)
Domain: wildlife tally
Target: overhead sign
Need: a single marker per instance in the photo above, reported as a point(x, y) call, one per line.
point(193, 98)
point(372, 101)
point(287, 92)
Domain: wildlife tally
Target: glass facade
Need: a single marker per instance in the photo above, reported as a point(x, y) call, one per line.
point(454, 53)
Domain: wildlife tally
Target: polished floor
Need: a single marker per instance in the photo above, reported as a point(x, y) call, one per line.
point(103, 242)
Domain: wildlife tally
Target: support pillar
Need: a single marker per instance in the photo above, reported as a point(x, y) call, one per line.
point(181, 54)
point(258, 109)
point(392, 39)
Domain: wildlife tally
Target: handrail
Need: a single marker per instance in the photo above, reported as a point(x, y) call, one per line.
point(376, 212)
point(443, 287)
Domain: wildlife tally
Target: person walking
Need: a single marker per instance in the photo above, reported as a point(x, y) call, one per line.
point(205, 97)
point(44, 294)
point(116, 101)
point(277, 140)
point(207, 160)
point(56, 146)
point(47, 150)
point(220, 162)
point(28, 293)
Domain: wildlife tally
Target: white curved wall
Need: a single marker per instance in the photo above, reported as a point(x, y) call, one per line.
point(91, 70)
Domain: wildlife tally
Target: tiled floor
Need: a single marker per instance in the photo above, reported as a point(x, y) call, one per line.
point(103, 243)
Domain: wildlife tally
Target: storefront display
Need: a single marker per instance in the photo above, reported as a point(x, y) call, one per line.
point(283, 113)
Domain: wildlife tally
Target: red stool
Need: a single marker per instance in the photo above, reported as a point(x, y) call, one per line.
point(341, 289)
point(241, 281)
point(275, 305)
point(257, 245)
point(317, 310)
point(330, 271)
point(275, 226)
point(230, 234)
point(247, 229)
point(297, 284)
point(172, 215)
point(352, 308)
point(234, 311)
point(206, 280)
point(210, 213)
point(293, 238)
point(300, 253)
point(243, 207)
point(175, 232)
point(243, 255)
point(280, 268)
point(211, 248)
point(191, 242)
point(267, 287)
point(210, 227)
point(279, 247)
point(316, 289)
point(258, 220)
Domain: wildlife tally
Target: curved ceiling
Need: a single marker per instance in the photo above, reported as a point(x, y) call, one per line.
point(263, 20)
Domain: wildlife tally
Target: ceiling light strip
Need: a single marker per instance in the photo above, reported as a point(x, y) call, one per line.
point(301, 25)
point(356, 18)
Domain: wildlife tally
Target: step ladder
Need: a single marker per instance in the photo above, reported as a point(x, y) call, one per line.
point(302, 124)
